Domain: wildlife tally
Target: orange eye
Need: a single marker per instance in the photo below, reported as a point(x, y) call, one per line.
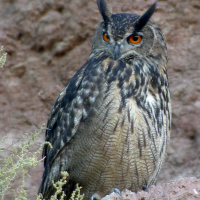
point(135, 39)
point(106, 37)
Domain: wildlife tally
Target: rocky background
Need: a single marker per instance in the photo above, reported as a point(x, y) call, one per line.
point(47, 42)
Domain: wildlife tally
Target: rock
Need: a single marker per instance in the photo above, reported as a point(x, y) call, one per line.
point(184, 188)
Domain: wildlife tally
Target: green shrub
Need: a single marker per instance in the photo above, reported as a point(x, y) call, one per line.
point(2, 57)
point(15, 161)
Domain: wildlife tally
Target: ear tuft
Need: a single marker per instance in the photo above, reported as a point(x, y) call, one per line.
point(104, 10)
point(141, 22)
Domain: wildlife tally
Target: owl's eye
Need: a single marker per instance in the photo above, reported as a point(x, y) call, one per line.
point(134, 39)
point(106, 37)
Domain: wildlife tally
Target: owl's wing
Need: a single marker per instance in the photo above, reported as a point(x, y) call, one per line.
point(71, 108)
point(60, 126)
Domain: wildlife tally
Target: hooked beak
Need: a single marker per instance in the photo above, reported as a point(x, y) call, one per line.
point(116, 51)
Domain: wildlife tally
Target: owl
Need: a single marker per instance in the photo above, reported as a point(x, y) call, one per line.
point(110, 126)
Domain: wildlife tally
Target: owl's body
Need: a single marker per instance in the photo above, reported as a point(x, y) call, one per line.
point(110, 127)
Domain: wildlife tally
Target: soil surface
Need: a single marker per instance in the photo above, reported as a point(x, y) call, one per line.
point(48, 41)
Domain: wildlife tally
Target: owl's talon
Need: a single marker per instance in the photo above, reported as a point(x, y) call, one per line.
point(115, 190)
point(95, 197)
point(145, 187)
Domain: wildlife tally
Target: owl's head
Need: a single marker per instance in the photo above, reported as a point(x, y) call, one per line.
point(128, 35)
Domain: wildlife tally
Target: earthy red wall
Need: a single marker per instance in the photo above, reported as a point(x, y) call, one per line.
point(47, 42)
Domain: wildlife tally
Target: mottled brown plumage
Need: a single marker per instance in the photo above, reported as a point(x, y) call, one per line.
point(110, 127)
